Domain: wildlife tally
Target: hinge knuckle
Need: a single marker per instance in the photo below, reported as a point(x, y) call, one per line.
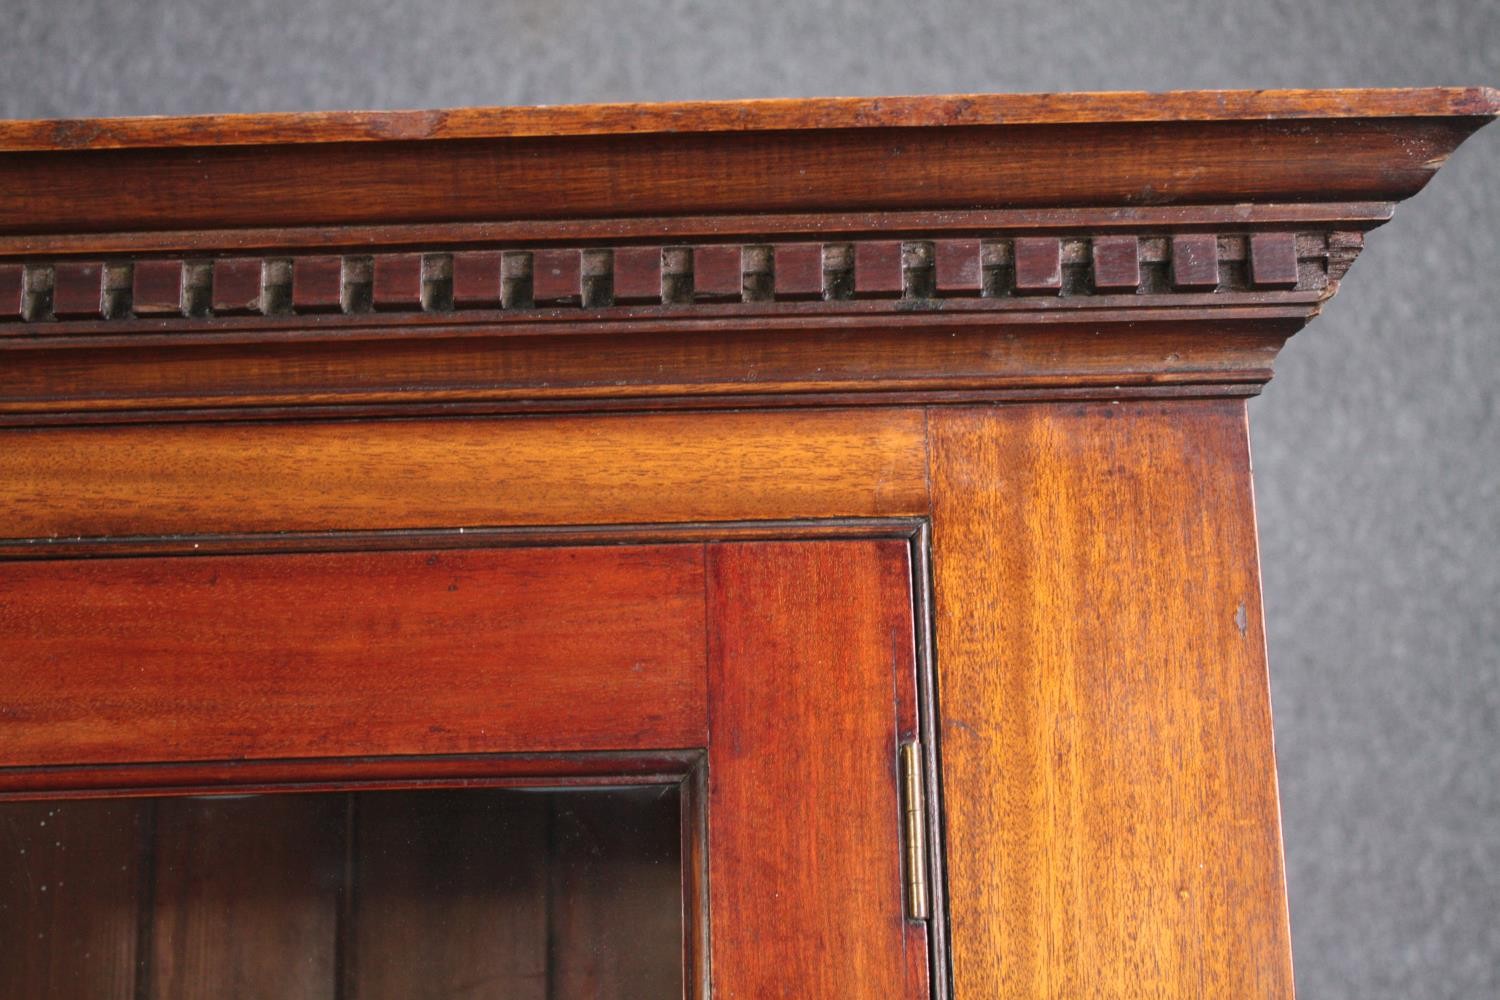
point(914, 830)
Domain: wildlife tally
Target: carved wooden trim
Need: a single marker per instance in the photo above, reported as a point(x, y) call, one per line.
point(811, 253)
point(907, 273)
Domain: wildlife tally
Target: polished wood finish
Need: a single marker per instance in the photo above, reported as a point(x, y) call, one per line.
point(1273, 260)
point(831, 155)
point(1103, 678)
point(1166, 349)
point(830, 624)
point(595, 649)
point(752, 115)
point(810, 645)
point(756, 437)
point(1117, 264)
point(233, 478)
point(321, 774)
point(1195, 263)
point(236, 285)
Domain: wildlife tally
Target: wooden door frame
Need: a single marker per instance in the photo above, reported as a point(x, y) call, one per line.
point(901, 544)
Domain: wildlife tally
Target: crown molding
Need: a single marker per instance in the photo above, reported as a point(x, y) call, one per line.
point(802, 253)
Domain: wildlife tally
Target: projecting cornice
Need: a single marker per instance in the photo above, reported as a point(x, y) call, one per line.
point(756, 253)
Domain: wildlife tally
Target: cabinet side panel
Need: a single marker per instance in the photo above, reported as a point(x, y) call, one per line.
point(1110, 782)
point(805, 886)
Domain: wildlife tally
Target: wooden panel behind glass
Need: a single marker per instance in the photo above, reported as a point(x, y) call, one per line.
point(449, 897)
point(69, 880)
point(611, 869)
point(471, 894)
point(246, 897)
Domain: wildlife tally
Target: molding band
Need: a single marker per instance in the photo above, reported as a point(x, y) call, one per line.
point(192, 291)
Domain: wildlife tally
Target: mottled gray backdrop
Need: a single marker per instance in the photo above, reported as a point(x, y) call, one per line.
point(1377, 447)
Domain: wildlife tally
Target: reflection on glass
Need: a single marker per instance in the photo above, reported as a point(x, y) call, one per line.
point(417, 895)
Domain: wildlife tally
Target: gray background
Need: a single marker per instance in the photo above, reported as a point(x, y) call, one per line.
point(1376, 446)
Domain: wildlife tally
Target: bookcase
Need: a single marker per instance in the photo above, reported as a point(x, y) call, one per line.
point(775, 548)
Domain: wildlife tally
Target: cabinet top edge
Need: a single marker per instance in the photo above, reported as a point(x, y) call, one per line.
point(762, 115)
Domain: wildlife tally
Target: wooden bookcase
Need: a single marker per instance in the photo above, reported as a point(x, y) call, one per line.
point(779, 548)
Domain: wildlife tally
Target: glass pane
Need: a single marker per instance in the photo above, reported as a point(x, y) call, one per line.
point(419, 895)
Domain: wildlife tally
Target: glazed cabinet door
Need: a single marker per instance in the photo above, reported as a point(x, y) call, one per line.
point(634, 771)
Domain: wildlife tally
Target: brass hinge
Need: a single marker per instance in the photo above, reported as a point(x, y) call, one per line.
point(914, 829)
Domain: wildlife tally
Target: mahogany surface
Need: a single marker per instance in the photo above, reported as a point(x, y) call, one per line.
point(845, 421)
point(818, 616)
point(334, 655)
point(1102, 631)
point(369, 670)
point(785, 155)
point(382, 475)
point(767, 114)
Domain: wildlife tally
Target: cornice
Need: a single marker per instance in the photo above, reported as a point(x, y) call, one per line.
point(860, 254)
point(848, 155)
point(760, 115)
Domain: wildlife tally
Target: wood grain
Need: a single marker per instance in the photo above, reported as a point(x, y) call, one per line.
point(717, 272)
point(1111, 791)
point(449, 897)
point(524, 770)
point(616, 891)
point(831, 170)
point(156, 288)
point(316, 283)
point(1195, 262)
point(589, 470)
point(763, 227)
point(1117, 265)
point(858, 358)
point(804, 842)
point(69, 875)
point(232, 310)
point(752, 115)
point(77, 289)
point(1038, 263)
point(559, 282)
point(227, 657)
point(956, 266)
point(877, 267)
point(236, 285)
point(12, 290)
point(637, 274)
point(246, 897)
point(397, 282)
point(476, 279)
point(555, 276)
point(1273, 260)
